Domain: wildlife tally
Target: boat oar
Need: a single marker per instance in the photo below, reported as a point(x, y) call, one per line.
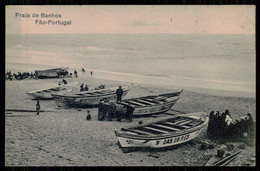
point(177, 111)
point(226, 160)
point(23, 110)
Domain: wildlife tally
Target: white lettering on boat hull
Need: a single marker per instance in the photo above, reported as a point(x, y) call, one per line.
point(128, 142)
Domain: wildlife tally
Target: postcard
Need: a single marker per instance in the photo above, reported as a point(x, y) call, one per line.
point(119, 85)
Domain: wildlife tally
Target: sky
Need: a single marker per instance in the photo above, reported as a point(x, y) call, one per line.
point(150, 19)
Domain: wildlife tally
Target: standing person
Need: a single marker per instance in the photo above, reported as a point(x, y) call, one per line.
point(88, 116)
point(119, 93)
point(82, 87)
point(86, 87)
point(91, 74)
point(38, 107)
point(210, 124)
point(76, 74)
point(64, 81)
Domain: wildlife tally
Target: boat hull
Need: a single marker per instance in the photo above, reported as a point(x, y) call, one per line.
point(85, 101)
point(45, 94)
point(140, 106)
point(158, 143)
point(52, 73)
point(160, 108)
point(131, 137)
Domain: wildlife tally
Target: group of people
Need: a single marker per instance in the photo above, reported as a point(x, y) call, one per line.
point(20, 75)
point(111, 110)
point(83, 70)
point(222, 126)
point(82, 88)
point(23, 75)
point(63, 81)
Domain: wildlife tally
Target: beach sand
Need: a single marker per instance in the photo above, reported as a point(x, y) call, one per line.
point(63, 137)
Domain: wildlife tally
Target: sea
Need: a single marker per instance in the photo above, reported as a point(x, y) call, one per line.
point(217, 62)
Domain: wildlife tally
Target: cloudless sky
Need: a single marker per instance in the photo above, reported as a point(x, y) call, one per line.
point(151, 19)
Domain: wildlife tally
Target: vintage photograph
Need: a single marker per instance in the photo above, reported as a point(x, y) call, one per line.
point(119, 85)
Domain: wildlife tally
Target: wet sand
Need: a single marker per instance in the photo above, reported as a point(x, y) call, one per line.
point(63, 137)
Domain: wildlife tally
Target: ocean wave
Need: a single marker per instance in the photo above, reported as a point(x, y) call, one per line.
point(170, 77)
point(18, 46)
point(98, 49)
point(212, 81)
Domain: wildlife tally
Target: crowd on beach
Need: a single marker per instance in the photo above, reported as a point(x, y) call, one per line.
point(20, 75)
point(221, 126)
point(34, 75)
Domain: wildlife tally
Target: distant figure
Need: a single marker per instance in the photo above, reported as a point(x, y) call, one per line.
point(64, 81)
point(88, 116)
point(91, 73)
point(83, 70)
point(76, 74)
point(38, 107)
point(82, 87)
point(140, 122)
point(119, 93)
point(86, 87)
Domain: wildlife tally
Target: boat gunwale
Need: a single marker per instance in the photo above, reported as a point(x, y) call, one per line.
point(55, 95)
point(158, 104)
point(160, 136)
point(53, 69)
point(64, 86)
point(154, 96)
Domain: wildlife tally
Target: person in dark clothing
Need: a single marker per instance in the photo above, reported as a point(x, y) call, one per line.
point(210, 124)
point(64, 81)
point(222, 124)
point(250, 127)
point(91, 74)
point(76, 74)
point(88, 116)
point(83, 70)
point(82, 87)
point(86, 87)
point(129, 113)
point(19, 75)
point(38, 107)
point(119, 93)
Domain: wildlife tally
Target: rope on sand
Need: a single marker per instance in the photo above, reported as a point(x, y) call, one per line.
point(176, 111)
point(19, 115)
point(23, 110)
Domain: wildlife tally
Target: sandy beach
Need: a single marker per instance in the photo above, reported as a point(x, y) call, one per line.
point(63, 137)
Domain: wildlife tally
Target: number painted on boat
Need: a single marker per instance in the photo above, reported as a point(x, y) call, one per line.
point(129, 142)
point(176, 139)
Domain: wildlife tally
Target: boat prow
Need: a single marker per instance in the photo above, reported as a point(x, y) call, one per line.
point(44, 94)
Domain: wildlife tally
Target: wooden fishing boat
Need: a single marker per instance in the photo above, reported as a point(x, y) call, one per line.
point(165, 132)
point(139, 106)
point(46, 93)
point(52, 73)
point(87, 98)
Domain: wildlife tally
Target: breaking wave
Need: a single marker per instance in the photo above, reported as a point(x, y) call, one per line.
point(18, 46)
point(98, 49)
